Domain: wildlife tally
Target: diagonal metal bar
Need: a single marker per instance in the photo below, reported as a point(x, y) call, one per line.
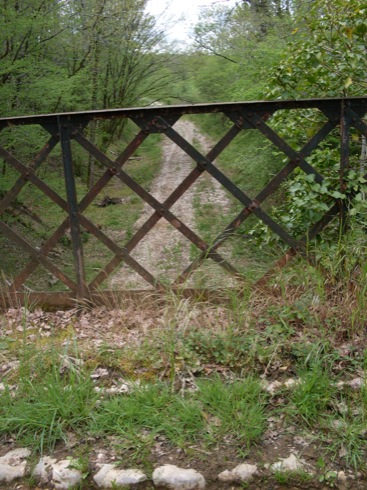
point(271, 187)
point(84, 203)
point(291, 253)
point(17, 239)
point(229, 185)
point(358, 123)
point(157, 119)
point(121, 253)
point(31, 177)
point(22, 181)
point(169, 202)
point(279, 142)
point(315, 230)
point(154, 203)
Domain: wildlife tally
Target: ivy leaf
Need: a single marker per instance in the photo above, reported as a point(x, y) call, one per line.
point(337, 195)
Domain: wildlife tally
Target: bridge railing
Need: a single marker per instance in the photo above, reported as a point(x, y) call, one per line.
point(65, 128)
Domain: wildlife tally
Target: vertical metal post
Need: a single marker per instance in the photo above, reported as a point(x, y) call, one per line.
point(67, 160)
point(344, 160)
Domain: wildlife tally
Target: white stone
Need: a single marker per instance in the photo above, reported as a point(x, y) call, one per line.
point(15, 456)
point(342, 477)
point(273, 387)
point(43, 469)
point(12, 465)
point(356, 383)
point(9, 473)
point(64, 477)
point(292, 463)
point(109, 476)
point(99, 373)
point(241, 473)
point(174, 478)
point(292, 383)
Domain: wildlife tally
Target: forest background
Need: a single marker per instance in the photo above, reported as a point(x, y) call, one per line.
point(60, 55)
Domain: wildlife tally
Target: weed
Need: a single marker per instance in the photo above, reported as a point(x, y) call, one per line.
point(294, 477)
point(312, 396)
point(46, 403)
point(239, 407)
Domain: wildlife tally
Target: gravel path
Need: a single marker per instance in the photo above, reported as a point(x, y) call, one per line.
point(164, 251)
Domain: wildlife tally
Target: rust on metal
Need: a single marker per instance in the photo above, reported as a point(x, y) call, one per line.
point(242, 116)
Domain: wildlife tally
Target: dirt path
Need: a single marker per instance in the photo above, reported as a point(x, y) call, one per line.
point(164, 251)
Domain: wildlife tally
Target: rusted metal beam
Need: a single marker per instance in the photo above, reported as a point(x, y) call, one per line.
point(267, 191)
point(169, 202)
point(160, 208)
point(53, 301)
point(84, 203)
point(357, 103)
point(73, 210)
point(22, 181)
point(347, 112)
point(230, 186)
point(20, 242)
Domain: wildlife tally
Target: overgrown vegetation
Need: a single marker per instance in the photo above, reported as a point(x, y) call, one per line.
point(196, 379)
point(199, 379)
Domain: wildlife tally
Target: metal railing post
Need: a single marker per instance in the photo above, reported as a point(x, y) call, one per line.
point(73, 209)
point(344, 160)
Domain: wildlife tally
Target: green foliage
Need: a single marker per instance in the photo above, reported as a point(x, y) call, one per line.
point(217, 408)
point(325, 57)
point(240, 407)
point(70, 56)
point(327, 54)
point(241, 44)
point(312, 396)
point(48, 403)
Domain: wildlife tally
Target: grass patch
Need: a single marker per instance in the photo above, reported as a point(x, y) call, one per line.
point(216, 410)
point(47, 403)
point(199, 374)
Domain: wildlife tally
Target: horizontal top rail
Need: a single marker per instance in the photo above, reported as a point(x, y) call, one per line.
point(179, 110)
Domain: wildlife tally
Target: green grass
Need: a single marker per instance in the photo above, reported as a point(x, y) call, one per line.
point(47, 403)
point(53, 399)
point(312, 396)
point(196, 374)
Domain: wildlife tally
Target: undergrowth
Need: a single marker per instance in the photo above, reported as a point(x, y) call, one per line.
point(197, 378)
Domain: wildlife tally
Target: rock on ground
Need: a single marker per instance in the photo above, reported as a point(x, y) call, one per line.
point(241, 473)
point(64, 477)
point(43, 470)
point(292, 463)
point(12, 464)
point(109, 476)
point(174, 478)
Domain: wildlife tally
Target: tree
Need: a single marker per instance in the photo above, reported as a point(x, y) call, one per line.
point(28, 33)
point(64, 55)
point(326, 57)
point(246, 40)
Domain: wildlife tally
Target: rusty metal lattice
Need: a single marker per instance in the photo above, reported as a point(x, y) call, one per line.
point(66, 127)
